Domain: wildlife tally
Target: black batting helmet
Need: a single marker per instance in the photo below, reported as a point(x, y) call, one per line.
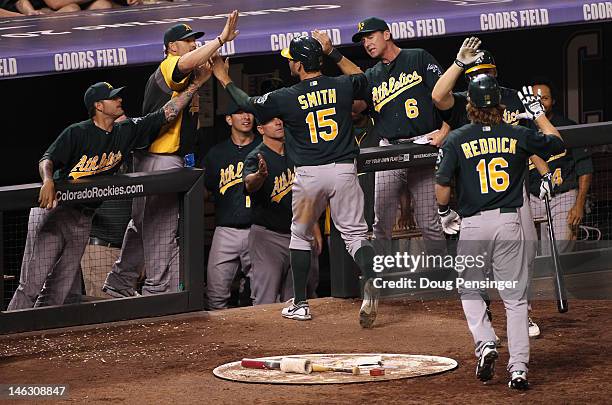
point(306, 50)
point(485, 61)
point(484, 92)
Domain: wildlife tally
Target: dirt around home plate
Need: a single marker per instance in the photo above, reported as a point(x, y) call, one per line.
point(171, 359)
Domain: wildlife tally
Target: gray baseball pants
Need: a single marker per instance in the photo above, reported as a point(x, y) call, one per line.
point(498, 238)
point(155, 223)
point(560, 206)
point(50, 269)
point(229, 252)
point(271, 278)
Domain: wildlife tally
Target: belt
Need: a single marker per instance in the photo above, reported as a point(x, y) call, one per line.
point(101, 242)
point(347, 160)
point(503, 210)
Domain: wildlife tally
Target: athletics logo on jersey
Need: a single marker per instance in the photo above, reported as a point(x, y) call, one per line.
point(230, 176)
point(88, 166)
point(282, 185)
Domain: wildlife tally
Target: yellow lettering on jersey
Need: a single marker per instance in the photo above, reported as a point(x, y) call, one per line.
point(230, 176)
point(387, 91)
point(317, 98)
point(88, 166)
point(474, 146)
point(485, 146)
point(282, 185)
point(303, 102)
point(466, 150)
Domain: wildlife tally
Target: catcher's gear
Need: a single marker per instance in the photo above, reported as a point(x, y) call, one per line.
point(468, 53)
point(531, 102)
point(450, 220)
point(484, 61)
point(547, 187)
point(306, 50)
point(483, 91)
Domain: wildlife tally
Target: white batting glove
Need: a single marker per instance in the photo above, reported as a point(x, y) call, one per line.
point(450, 220)
point(468, 53)
point(531, 102)
point(546, 186)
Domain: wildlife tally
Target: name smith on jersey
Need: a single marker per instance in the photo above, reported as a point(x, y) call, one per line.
point(483, 146)
point(317, 98)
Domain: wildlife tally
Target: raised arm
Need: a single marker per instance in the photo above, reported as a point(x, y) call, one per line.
point(344, 64)
point(201, 55)
point(534, 110)
point(442, 93)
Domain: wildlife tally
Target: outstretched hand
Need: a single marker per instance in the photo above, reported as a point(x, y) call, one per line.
point(468, 53)
point(230, 32)
point(262, 169)
point(202, 73)
point(532, 103)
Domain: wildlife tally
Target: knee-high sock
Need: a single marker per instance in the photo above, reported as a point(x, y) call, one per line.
point(300, 266)
point(364, 257)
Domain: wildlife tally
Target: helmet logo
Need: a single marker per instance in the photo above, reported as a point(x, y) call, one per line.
point(360, 26)
point(187, 27)
point(108, 85)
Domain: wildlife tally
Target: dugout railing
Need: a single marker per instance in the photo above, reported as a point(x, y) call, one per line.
point(187, 183)
point(592, 257)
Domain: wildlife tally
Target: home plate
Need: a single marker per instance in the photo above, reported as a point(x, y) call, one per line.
point(385, 367)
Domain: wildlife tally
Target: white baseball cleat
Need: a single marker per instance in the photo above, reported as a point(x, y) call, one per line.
point(485, 369)
point(534, 329)
point(369, 306)
point(518, 380)
point(299, 311)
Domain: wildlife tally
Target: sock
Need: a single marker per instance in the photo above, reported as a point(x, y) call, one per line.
point(300, 266)
point(364, 257)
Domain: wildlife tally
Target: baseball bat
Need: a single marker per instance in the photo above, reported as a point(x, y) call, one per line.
point(261, 364)
point(559, 284)
point(351, 370)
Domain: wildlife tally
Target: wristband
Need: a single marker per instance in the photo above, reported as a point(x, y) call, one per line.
point(459, 63)
point(220, 41)
point(443, 210)
point(335, 55)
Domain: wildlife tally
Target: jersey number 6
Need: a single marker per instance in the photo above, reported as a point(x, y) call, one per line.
point(322, 121)
point(498, 180)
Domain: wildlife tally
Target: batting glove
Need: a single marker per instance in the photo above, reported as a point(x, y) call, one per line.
point(547, 187)
point(450, 220)
point(531, 102)
point(468, 53)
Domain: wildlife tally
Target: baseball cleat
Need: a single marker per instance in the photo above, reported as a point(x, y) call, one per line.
point(485, 369)
point(299, 311)
point(369, 306)
point(534, 329)
point(518, 380)
point(119, 293)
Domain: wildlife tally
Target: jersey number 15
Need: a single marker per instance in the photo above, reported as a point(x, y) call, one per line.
point(492, 176)
point(324, 126)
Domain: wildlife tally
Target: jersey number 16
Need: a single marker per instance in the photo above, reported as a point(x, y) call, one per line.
point(491, 176)
point(323, 120)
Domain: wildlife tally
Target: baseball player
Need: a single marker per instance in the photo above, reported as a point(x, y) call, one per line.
point(399, 101)
point(155, 217)
point(317, 112)
point(268, 178)
point(224, 168)
point(473, 61)
point(58, 234)
point(487, 159)
point(572, 172)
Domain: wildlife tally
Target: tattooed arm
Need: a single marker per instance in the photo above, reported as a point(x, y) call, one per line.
point(46, 197)
point(173, 107)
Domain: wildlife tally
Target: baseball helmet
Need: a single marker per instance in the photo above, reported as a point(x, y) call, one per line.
point(306, 50)
point(485, 61)
point(483, 91)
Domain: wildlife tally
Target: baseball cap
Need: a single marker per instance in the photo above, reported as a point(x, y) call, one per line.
point(368, 25)
point(180, 32)
point(232, 108)
point(100, 91)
